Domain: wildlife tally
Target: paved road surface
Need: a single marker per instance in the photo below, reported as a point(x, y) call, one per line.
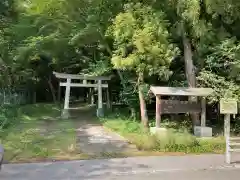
point(212, 174)
point(209, 167)
point(227, 174)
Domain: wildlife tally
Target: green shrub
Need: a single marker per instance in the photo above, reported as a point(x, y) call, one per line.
point(8, 116)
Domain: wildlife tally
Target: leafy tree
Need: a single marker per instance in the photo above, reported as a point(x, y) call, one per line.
point(6, 9)
point(135, 40)
point(141, 45)
point(193, 31)
point(221, 71)
point(7, 15)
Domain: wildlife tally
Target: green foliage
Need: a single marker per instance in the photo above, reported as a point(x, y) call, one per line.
point(141, 41)
point(141, 48)
point(129, 94)
point(100, 67)
point(174, 140)
point(222, 87)
point(36, 134)
point(8, 116)
point(228, 9)
point(6, 10)
point(222, 69)
point(13, 114)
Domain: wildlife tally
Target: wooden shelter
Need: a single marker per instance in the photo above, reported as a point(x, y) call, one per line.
point(177, 106)
point(84, 82)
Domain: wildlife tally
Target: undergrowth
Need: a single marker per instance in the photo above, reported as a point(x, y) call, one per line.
point(35, 133)
point(176, 139)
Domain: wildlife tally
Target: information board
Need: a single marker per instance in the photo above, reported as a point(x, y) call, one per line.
point(176, 106)
point(228, 106)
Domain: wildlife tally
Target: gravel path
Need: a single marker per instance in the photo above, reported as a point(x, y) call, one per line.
point(95, 140)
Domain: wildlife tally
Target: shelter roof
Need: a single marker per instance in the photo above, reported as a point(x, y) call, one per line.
point(180, 91)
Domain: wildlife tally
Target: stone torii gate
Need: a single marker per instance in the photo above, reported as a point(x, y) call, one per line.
point(83, 83)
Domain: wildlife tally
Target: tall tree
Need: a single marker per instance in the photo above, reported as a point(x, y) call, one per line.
point(188, 29)
point(7, 15)
point(142, 46)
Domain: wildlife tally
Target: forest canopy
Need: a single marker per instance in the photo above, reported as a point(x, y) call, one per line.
point(191, 43)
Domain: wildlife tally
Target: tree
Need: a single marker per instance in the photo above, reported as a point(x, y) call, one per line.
point(6, 8)
point(7, 15)
point(70, 32)
point(141, 46)
point(188, 29)
point(221, 71)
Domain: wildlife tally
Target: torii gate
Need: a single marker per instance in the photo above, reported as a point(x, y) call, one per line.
point(83, 78)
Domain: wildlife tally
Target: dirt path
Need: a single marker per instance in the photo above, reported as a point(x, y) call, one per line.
point(94, 139)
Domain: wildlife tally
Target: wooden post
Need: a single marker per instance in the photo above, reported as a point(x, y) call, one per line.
point(65, 113)
point(100, 103)
point(227, 137)
point(203, 111)
point(158, 111)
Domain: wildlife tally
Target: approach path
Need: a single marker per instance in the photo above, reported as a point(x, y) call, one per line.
point(94, 139)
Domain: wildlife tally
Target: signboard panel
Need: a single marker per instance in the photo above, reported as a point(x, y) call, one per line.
point(176, 107)
point(228, 106)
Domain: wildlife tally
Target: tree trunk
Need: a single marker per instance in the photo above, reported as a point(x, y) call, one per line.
point(143, 109)
point(91, 96)
point(190, 74)
point(133, 113)
point(52, 90)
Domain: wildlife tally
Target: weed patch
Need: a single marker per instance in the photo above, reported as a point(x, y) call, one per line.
point(36, 134)
point(174, 140)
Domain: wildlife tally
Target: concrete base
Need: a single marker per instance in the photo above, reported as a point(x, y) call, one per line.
point(65, 114)
point(202, 131)
point(159, 131)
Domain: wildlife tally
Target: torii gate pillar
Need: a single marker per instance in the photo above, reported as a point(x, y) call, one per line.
point(99, 85)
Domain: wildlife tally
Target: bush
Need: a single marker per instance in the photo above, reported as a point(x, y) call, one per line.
point(8, 116)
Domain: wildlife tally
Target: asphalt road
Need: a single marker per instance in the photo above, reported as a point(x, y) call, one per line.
point(223, 174)
point(201, 167)
point(211, 174)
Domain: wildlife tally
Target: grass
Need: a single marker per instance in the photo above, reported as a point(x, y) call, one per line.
point(37, 134)
point(174, 140)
